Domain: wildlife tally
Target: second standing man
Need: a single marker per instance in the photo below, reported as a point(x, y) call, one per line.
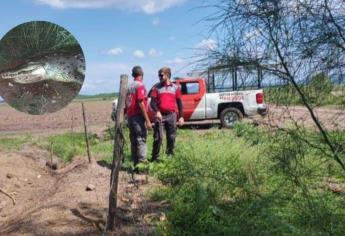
point(165, 96)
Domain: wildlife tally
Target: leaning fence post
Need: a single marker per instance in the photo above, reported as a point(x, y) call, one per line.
point(86, 136)
point(117, 155)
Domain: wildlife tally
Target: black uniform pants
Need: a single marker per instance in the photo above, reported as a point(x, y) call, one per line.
point(169, 124)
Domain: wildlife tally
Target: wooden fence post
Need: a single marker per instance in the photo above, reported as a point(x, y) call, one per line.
point(51, 152)
point(72, 129)
point(117, 155)
point(86, 136)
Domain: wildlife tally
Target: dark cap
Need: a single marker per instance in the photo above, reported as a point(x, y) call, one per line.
point(137, 71)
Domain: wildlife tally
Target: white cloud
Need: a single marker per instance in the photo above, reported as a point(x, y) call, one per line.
point(139, 54)
point(114, 51)
point(175, 61)
point(52, 3)
point(146, 6)
point(207, 44)
point(154, 53)
point(155, 21)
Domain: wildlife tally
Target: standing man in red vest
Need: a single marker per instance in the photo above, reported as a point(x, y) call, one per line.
point(165, 97)
point(138, 119)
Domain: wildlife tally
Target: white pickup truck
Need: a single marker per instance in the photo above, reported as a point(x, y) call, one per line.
point(205, 103)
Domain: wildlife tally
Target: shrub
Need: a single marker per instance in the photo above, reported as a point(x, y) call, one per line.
point(320, 88)
point(248, 182)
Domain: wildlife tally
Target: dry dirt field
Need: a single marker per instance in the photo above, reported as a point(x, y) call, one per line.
point(278, 116)
point(56, 202)
point(98, 117)
point(70, 117)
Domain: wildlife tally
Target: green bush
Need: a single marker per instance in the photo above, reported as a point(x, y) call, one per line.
point(284, 95)
point(248, 182)
point(317, 93)
point(208, 180)
point(320, 88)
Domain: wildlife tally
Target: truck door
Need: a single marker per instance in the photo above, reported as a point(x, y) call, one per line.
point(193, 100)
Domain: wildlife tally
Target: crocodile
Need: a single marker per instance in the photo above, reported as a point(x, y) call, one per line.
point(61, 68)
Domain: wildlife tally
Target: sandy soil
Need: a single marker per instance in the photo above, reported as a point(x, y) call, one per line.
point(57, 203)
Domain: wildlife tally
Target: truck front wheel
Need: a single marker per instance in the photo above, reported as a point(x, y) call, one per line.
point(229, 116)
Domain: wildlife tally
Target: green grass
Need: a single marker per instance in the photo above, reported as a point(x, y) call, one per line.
point(250, 182)
point(70, 145)
point(67, 146)
point(14, 143)
point(97, 97)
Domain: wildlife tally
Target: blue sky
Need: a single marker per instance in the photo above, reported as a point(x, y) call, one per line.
point(117, 34)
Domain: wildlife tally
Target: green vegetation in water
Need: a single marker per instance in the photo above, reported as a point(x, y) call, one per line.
point(35, 39)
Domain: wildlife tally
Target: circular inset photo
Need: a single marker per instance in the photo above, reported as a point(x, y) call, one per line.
point(42, 67)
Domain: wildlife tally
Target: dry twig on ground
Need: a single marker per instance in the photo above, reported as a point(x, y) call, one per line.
point(8, 195)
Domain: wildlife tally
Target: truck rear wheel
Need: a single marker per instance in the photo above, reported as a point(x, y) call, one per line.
point(229, 116)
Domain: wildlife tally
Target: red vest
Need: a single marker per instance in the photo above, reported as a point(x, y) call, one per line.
point(166, 96)
point(136, 92)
